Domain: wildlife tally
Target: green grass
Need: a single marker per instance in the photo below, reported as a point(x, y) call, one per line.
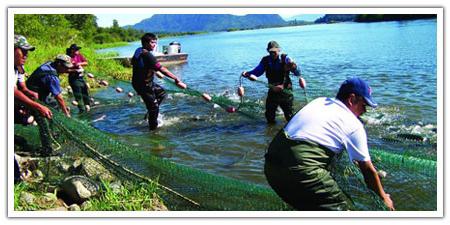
point(130, 197)
point(102, 69)
point(135, 197)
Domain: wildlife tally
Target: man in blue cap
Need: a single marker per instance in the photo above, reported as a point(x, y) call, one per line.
point(300, 157)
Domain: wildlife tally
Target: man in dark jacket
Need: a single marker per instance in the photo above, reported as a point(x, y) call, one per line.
point(145, 66)
point(45, 80)
point(277, 68)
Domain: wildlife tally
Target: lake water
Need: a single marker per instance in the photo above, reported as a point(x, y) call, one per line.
point(397, 58)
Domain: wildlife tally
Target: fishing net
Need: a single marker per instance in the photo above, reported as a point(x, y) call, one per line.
point(185, 188)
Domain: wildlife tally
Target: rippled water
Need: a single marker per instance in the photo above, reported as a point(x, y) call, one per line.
point(397, 58)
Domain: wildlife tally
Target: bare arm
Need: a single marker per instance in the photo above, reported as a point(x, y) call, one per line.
point(20, 96)
point(178, 82)
point(166, 72)
point(373, 182)
point(62, 104)
point(31, 94)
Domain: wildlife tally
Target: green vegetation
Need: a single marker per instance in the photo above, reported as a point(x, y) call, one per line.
point(392, 17)
point(135, 197)
point(130, 197)
point(52, 34)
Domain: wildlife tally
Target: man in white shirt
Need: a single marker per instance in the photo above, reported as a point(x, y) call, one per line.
point(299, 158)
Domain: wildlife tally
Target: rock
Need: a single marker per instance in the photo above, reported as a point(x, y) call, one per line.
point(26, 198)
point(60, 208)
point(77, 189)
point(95, 170)
point(157, 204)
point(86, 205)
point(74, 207)
point(38, 175)
point(47, 200)
point(77, 163)
point(116, 186)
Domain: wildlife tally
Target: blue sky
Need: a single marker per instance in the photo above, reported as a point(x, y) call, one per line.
point(105, 20)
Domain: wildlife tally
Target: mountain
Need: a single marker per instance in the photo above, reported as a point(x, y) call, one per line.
point(306, 17)
point(171, 23)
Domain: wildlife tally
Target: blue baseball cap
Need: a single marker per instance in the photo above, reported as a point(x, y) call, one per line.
point(359, 87)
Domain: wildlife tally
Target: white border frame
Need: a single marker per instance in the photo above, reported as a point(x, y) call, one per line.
point(240, 214)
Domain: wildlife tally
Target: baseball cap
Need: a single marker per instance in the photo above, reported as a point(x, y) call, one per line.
point(75, 47)
point(273, 46)
point(360, 87)
point(65, 59)
point(21, 42)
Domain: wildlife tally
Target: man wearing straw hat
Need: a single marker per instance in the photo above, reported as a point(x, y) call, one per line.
point(277, 68)
point(301, 155)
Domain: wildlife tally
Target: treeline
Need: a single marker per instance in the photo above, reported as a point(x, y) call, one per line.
point(362, 18)
point(62, 29)
point(392, 17)
point(52, 34)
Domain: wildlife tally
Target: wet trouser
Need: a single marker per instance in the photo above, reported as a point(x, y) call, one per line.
point(44, 130)
point(299, 173)
point(152, 96)
point(282, 99)
point(80, 92)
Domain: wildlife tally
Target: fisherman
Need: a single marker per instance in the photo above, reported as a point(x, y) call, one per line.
point(45, 80)
point(25, 106)
point(301, 155)
point(277, 68)
point(76, 78)
point(145, 66)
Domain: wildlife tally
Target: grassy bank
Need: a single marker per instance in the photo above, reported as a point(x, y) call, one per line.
point(127, 197)
point(102, 69)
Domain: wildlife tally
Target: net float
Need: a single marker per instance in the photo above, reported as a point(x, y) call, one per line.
point(231, 109)
point(382, 173)
point(75, 103)
point(119, 90)
point(206, 97)
point(240, 91)
point(96, 103)
point(88, 86)
point(252, 77)
point(30, 119)
point(68, 108)
point(302, 83)
point(90, 75)
point(104, 83)
point(159, 74)
point(181, 85)
point(130, 94)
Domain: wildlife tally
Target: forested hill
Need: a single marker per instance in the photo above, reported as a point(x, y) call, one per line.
point(362, 18)
point(171, 23)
